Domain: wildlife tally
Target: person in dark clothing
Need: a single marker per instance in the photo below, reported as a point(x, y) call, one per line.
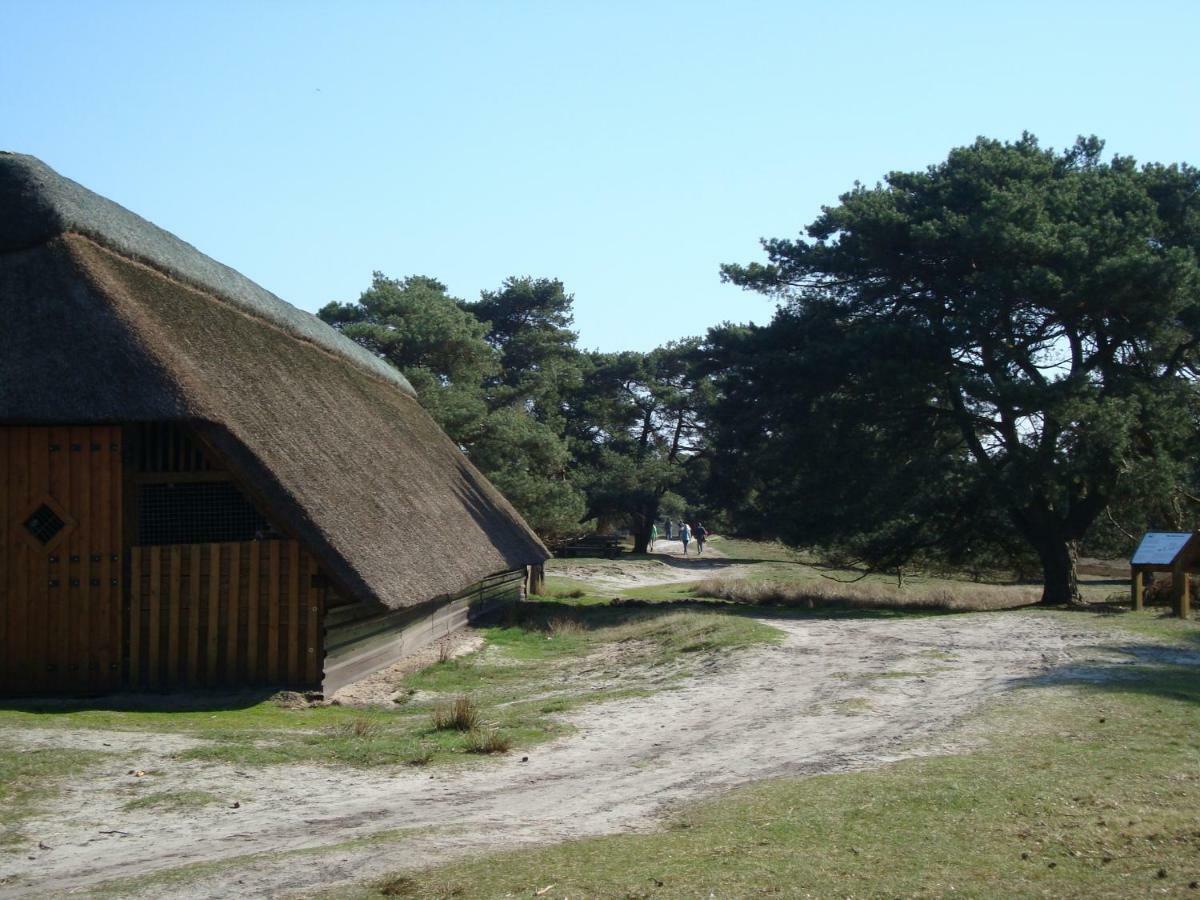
point(701, 535)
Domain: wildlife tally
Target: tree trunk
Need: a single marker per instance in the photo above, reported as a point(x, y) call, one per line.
point(641, 539)
point(642, 524)
point(1060, 577)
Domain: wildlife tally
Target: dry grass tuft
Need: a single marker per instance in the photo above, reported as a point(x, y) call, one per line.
point(364, 729)
point(867, 595)
point(487, 739)
point(460, 714)
point(563, 627)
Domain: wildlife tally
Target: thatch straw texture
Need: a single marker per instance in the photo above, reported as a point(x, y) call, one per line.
point(38, 203)
point(97, 331)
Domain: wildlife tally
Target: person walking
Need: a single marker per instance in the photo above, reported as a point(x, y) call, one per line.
point(701, 535)
point(653, 536)
point(685, 535)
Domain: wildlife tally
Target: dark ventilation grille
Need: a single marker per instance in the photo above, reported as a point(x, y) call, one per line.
point(161, 447)
point(198, 513)
point(44, 524)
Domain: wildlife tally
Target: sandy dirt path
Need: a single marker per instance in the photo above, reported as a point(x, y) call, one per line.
point(834, 695)
point(668, 566)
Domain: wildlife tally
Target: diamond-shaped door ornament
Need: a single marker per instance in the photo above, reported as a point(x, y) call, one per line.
point(47, 525)
point(44, 524)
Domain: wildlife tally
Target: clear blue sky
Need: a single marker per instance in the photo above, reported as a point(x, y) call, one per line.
point(626, 148)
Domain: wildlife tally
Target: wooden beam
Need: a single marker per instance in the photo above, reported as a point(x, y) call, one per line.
point(135, 618)
point(1138, 589)
point(1179, 588)
point(214, 614)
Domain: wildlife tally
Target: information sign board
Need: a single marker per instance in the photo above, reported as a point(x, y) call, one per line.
point(1159, 548)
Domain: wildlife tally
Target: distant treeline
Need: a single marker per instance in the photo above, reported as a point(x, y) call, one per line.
point(989, 364)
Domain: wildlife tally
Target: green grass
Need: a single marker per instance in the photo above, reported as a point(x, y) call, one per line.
point(1161, 625)
point(527, 673)
point(739, 548)
point(172, 801)
point(1081, 790)
point(28, 778)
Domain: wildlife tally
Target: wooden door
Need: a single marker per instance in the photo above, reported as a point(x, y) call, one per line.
point(60, 559)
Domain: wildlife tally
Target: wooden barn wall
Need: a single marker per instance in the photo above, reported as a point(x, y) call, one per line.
point(360, 640)
point(225, 615)
point(60, 615)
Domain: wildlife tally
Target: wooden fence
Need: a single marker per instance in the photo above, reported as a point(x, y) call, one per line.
point(225, 615)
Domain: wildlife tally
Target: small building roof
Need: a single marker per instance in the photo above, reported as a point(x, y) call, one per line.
point(109, 319)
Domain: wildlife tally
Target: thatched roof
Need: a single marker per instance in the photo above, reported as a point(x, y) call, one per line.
point(111, 319)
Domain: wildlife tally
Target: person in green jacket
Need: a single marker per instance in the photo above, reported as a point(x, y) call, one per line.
point(653, 536)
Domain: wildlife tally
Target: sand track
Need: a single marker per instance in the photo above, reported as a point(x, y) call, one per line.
point(834, 695)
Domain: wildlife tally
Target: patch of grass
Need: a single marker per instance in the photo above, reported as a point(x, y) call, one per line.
point(741, 548)
point(360, 727)
point(1084, 790)
point(1162, 626)
point(540, 648)
point(823, 594)
point(29, 778)
point(173, 801)
point(854, 706)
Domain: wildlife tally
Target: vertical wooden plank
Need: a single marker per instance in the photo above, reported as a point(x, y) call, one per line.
point(175, 583)
point(59, 635)
point(252, 633)
point(116, 551)
point(294, 665)
point(154, 634)
point(99, 563)
point(18, 647)
point(273, 614)
point(1137, 589)
point(214, 612)
point(193, 631)
point(80, 589)
point(231, 624)
point(314, 644)
point(40, 595)
point(135, 617)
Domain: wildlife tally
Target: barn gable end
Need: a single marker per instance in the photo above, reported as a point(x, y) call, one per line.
point(370, 507)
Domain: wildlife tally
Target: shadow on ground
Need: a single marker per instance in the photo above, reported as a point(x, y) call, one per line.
point(191, 701)
point(1156, 669)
